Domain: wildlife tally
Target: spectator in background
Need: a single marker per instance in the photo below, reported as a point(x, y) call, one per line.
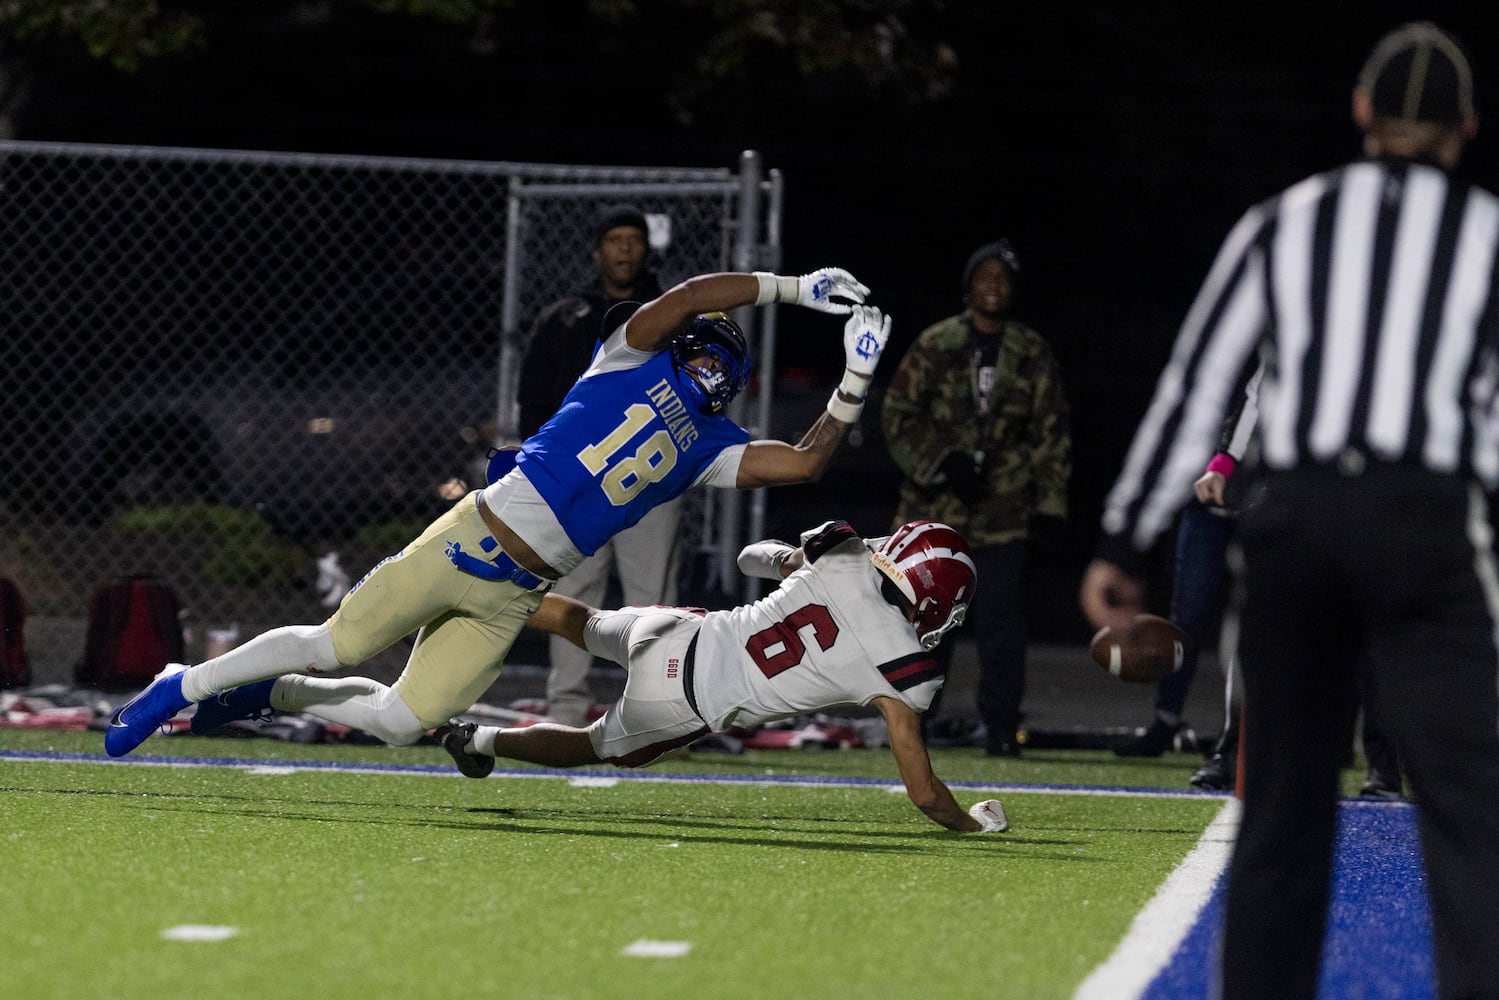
point(1366, 558)
point(1197, 589)
point(568, 331)
point(1205, 554)
point(976, 420)
point(1203, 538)
point(1202, 545)
point(645, 557)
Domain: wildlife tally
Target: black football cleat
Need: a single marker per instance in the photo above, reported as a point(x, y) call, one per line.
point(1380, 785)
point(1159, 737)
point(454, 736)
point(1215, 775)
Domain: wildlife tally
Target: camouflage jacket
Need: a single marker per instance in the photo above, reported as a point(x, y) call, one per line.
point(932, 409)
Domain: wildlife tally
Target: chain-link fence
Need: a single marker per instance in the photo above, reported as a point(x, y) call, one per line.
point(219, 366)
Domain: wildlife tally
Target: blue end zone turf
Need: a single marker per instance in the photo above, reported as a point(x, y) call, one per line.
point(1379, 925)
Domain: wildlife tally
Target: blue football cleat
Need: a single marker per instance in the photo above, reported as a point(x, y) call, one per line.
point(248, 701)
point(146, 712)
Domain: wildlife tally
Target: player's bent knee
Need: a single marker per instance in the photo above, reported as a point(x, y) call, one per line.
point(396, 723)
point(402, 737)
point(315, 642)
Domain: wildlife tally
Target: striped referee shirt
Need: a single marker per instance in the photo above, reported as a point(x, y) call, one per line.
point(1369, 292)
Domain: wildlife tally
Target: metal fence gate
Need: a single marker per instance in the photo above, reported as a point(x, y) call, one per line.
point(218, 366)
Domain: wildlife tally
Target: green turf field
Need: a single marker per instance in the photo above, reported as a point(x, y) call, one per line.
point(417, 885)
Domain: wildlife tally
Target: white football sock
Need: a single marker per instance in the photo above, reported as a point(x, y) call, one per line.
point(285, 650)
point(356, 702)
point(483, 741)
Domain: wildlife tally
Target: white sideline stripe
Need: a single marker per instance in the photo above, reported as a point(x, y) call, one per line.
point(583, 778)
point(646, 948)
point(1158, 929)
point(593, 781)
point(198, 932)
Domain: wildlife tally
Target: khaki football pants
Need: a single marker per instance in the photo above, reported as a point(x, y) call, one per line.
point(467, 624)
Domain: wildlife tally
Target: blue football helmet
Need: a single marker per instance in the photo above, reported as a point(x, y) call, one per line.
point(713, 386)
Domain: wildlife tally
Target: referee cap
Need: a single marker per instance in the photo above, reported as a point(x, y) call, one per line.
point(1418, 72)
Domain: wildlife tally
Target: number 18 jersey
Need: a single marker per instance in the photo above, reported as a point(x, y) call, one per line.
point(825, 637)
point(625, 440)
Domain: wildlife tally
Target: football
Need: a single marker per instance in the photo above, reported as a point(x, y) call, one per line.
point(1148, 650)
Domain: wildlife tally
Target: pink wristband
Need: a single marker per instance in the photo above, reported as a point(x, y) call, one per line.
point(1223, 463)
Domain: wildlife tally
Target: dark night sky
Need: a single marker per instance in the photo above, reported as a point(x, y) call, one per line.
point(1116, 147)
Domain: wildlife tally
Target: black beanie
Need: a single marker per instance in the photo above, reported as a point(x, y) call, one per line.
point(998, 250)
point(619, 215)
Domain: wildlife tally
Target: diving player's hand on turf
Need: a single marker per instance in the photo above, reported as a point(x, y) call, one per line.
point(990, 815)
point(822, 289)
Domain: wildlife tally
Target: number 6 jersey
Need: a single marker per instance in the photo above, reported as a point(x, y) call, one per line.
point(826, 636)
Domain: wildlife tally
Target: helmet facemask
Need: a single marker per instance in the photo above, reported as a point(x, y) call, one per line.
point(714, 355)
point(932, 637)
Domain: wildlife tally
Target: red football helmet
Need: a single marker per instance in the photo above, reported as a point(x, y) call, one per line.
point(932, 565)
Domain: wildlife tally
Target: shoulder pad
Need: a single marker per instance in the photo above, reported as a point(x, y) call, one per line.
point(501, 461)
point(825, 536)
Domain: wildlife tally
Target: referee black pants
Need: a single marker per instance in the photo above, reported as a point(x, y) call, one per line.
point(1390, 574)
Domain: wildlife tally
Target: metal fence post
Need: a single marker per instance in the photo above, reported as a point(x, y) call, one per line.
point(746, 245)
point(512, 337)
point(770, 260)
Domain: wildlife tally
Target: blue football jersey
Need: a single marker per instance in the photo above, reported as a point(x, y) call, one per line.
point(623, 442)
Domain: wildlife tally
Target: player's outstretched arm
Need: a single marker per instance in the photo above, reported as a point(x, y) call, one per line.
point(777, 463)
point(926, 790)
point(829, 290)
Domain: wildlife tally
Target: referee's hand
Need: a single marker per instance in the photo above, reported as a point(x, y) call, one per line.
point(1209, 488)
point(1110, 596)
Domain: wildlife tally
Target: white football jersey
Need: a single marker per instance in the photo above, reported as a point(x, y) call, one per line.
point(825, 636)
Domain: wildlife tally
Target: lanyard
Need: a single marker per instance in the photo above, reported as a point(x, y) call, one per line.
point(984, 378)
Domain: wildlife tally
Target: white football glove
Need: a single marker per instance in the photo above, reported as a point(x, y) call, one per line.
point(818, 290)
point(864, 338)
point(991, 816)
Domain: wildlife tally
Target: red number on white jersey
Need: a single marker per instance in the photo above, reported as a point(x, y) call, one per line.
point(780, 647)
